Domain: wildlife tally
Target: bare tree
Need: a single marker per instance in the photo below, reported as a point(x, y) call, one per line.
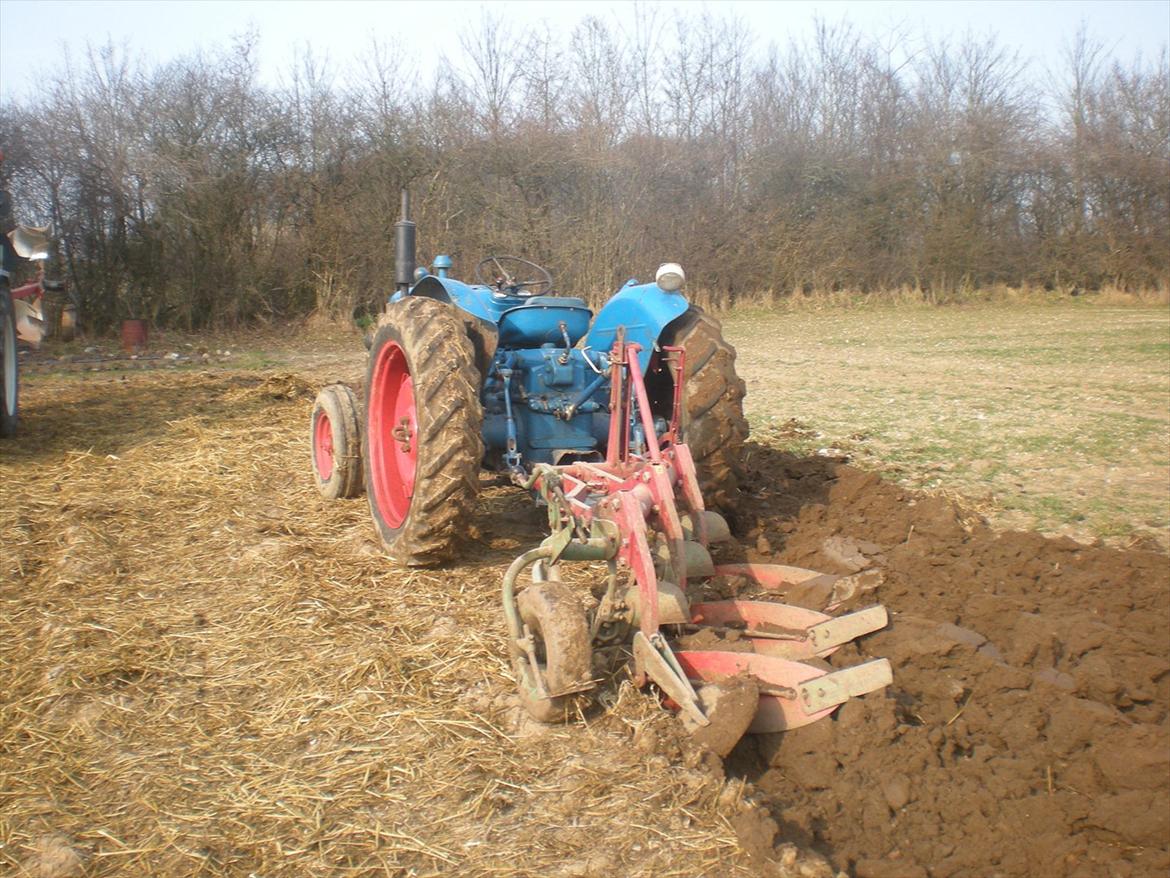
point(190, 193)
point(494, 58)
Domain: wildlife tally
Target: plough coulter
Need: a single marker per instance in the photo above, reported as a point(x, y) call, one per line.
point(624, 427)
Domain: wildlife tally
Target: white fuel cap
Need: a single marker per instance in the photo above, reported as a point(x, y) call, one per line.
point(670, 277)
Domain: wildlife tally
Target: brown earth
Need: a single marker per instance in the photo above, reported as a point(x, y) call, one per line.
point(1026, 732)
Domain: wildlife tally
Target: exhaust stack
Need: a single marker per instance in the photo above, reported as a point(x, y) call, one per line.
point(404, 253)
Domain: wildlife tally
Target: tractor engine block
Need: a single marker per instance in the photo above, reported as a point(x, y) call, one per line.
point(559, 402)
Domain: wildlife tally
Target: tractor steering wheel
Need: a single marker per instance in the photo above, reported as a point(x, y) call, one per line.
point(524, 279)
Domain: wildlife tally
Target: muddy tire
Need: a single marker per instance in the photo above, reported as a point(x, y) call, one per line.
point(713, 423)
point(553, 613)
point(335, 437)
point(421, 443)
point(9, 365)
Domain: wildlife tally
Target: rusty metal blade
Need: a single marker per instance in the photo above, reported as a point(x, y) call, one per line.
point(30, 321)
point(789, 649)
point(803, 633)
point(678, 687)
point(673, 608)
point(772, 672)
point(812, 694)
point(30, 242)
point(756, 614)
point(698, 559)
point(774, 577)
point(827, 692)
point(763, 615)
point(699, 563)
point(827, 636)
point(718, 531)
point(775, 713)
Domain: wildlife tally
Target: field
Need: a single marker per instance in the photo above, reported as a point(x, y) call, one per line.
point(1042, 417)
point(208, 670)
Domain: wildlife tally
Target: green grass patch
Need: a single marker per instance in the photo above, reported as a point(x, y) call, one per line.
point(1054, 416)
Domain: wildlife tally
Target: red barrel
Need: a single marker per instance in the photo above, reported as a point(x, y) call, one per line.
point(133, 336)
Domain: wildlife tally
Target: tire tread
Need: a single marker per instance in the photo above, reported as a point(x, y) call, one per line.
point(450, 420)
point(714, 427)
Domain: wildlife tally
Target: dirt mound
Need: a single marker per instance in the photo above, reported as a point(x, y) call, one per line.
point(1026, 732)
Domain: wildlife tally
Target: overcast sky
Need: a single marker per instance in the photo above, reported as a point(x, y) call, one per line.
point(34, 32)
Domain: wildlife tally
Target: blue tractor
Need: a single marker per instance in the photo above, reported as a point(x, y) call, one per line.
point(625, 427)
point(504, 374)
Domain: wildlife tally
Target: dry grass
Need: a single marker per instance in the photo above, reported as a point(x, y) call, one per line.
point(208, 670)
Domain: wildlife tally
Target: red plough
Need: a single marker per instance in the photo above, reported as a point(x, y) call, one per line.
point(641, 511)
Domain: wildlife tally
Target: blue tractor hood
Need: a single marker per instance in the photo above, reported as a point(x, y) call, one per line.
point(476, 299)
point(521, 321)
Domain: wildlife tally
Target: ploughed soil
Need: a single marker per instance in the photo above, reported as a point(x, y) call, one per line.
point(1026, 732)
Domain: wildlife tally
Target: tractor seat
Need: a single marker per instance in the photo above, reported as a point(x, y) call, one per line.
point(571, 301)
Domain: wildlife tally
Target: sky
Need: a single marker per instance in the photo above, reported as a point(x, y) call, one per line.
point(35, 33)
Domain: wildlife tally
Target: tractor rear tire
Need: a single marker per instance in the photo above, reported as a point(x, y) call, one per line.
point(421, 446)
point(335, 437)
point(9, 365)
point(553, 613)
point(713, 425)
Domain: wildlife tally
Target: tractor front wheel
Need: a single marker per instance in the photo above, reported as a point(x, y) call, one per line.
point(9, 385)
point(713, 427)
point(553, 614)
point(335, 436)
point(421, 447)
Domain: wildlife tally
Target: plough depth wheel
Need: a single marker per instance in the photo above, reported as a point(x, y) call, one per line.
point(555, 620)
point(421, 446)
point(335, 437)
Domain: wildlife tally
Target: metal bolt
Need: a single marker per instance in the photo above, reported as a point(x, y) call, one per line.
point(401, 435)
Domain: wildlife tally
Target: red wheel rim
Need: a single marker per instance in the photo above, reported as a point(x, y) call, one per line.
point(393, 428)
point(323, 447)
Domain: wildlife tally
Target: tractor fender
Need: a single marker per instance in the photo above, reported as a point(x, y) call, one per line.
point(644, 310)
point(476, 299)
point(481, 312)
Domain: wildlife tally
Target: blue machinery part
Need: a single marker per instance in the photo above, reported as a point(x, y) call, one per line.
point(643, 310)
point(544, 398)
